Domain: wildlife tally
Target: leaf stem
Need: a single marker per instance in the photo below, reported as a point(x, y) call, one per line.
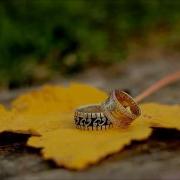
point(159, 84)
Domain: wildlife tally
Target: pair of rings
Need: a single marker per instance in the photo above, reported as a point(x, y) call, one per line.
point(118, 110)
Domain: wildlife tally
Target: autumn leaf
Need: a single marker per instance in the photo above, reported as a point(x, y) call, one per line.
point(50, 99)
point(164, 116)
point(76, 149)
point(47, 109)
point(48, 112)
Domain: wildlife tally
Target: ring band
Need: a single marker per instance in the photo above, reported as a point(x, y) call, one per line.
point(120, 108)
point(91, 118)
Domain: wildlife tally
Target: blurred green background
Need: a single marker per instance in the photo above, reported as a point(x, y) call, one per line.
point(42, 38)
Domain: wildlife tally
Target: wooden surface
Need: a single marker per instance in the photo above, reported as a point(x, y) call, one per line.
point(156, 158)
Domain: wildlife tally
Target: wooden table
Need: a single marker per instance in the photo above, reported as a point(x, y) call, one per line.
point(155, 158)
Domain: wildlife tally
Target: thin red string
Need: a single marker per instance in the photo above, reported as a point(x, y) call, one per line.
point(159, 84)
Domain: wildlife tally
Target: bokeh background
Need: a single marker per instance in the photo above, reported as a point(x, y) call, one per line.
point(44, 39)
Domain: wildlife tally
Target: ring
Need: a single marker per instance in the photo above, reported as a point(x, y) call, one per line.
point(120, 108)
point(91, 117)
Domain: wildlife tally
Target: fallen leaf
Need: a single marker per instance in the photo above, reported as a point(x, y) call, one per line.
point(53, 99)
point(44, 110)
point(77, 149)
point(48, 112)
point(161, 115)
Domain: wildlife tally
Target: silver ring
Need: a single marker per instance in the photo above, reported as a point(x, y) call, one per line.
point(91, 117)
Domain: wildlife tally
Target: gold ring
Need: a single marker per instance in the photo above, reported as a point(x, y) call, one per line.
point(120, 108)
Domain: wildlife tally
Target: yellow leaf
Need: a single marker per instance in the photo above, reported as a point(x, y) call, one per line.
point(52, 99)
point(44, 110)
point(76, 149)
point(7, 120)
point(164, 116)
point(48, 112)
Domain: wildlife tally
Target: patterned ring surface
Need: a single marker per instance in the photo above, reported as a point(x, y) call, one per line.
point(120, 108)
point(91, 117)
